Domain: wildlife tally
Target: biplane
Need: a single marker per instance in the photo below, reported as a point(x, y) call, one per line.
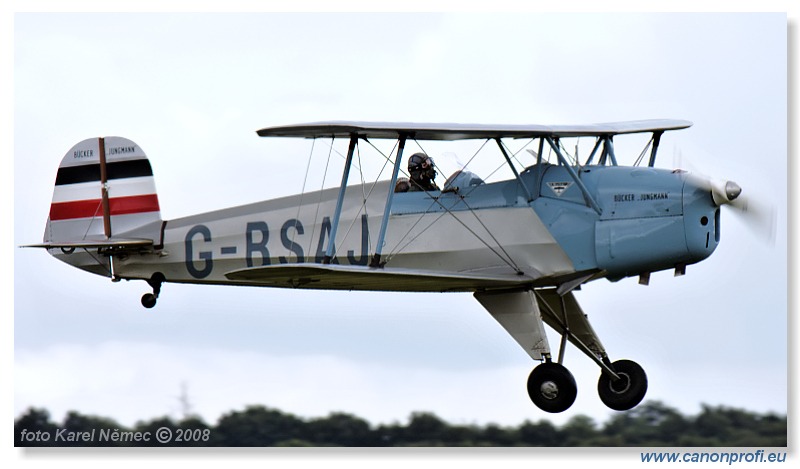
point(522, 245)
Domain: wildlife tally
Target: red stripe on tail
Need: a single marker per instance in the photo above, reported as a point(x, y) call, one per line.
point(94, 208)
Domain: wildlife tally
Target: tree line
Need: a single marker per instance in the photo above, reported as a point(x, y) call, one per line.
point(650, 424)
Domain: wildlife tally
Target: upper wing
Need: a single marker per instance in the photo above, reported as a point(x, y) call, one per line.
point(427, 131)
point(348, 277)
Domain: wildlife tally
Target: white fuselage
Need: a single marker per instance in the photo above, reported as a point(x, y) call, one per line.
point(498, 240)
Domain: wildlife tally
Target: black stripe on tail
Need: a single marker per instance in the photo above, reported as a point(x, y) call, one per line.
point(115, 170)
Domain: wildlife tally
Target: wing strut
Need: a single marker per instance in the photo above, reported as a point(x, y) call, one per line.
point(608, 151)
point(376, 258)
point(589, 199)
point(340, 200)
point(594, 151)
point(656, 140)
point(514, 170)
point(541, 150)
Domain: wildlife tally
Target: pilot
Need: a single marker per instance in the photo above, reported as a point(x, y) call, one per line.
point(422, 172)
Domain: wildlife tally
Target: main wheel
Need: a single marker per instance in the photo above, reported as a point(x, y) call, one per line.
point(552, 388)
point(148, 300)
point(626, 392)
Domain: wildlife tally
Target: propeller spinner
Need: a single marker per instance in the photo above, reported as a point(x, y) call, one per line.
point(757, 216)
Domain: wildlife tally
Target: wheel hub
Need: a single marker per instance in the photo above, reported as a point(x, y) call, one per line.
point(549, 390)
point(622, 384)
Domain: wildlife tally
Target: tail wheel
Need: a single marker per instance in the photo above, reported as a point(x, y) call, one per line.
point(552, 387)
point(627, 391)
point(148, 300)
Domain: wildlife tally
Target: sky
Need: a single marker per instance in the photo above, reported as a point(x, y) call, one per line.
point(192, 89)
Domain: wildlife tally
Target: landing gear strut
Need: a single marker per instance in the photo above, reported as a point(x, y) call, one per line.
point(149, 299)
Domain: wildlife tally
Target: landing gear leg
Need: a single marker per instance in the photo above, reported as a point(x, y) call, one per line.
point(550, 385)
point(149, 299)
point(622, 384)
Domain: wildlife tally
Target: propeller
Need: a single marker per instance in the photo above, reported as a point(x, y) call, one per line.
point(757, 215)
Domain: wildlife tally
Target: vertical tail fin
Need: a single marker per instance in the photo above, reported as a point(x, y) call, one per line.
point(104, 189)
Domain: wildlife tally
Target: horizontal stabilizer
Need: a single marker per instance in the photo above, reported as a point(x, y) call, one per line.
point(96, 243)
point(348, 277)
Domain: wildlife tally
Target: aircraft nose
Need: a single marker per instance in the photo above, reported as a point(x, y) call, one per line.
point(701, 213)
point(724, 192)
point(732, 190)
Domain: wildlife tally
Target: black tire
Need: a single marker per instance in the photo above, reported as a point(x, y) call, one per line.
point(626, 392)
point(148, 300)
point(552, 387)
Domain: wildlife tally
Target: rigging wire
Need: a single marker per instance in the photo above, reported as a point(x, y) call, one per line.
point(341, 155)
point(644, 150)
point(567, 156)
point(399, 248)
point(99, 206)
point(302, 194)
point(475, 154)
point(392, 253)
point(508, 259)
point(447, 211)
point(514, 154)
point(100, 263)
point(319, 202)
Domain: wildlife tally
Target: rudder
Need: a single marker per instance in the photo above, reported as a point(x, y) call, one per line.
point(104, 189)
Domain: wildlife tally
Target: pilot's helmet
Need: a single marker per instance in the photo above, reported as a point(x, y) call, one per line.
point(421, 163)
point(402, 185)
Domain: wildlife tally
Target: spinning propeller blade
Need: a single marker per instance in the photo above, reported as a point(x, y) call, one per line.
point(758, 216)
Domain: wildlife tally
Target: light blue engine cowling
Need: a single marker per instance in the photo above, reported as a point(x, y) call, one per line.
point(651, 219)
